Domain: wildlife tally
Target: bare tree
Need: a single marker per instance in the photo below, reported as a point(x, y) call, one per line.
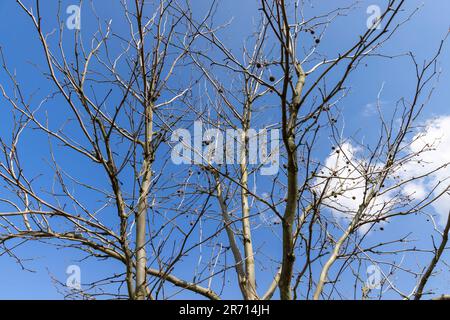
point(125, 95)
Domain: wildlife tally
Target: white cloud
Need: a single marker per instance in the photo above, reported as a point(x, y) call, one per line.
point(372, 108)
point(432, 146)
point(431, 150)
point(415, 190)
point(346, 188)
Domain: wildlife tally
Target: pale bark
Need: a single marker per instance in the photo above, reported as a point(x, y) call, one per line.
point(288, 259)
point(251, 293)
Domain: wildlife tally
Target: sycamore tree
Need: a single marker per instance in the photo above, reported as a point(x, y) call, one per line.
point(209, 163)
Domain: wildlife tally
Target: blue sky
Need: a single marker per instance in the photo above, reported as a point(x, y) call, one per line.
point(20, 46)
